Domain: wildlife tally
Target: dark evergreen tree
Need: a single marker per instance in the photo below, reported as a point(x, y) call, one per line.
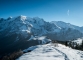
point(66, 43)
point(76, 47)
point(82, 44)
point(72, 45)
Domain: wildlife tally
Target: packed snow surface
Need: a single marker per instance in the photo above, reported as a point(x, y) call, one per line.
point(50, 52)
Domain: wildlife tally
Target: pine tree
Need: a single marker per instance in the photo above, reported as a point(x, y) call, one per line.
point(66, 43)
point(70, 44)
point(76, 47)
point(82, 44)
point(73, 45)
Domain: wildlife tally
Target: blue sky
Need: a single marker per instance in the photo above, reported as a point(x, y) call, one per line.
point(70, 11)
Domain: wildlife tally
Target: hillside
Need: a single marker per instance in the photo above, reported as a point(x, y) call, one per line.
point(51, 52)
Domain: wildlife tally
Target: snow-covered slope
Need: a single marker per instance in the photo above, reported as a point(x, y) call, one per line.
point(50, 52)
point(40, 39)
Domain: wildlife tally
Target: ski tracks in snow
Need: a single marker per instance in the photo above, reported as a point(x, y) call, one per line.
point(65, 56)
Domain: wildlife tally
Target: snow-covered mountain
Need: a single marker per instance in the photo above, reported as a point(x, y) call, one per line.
point(19, 30)
point(26, 26)
point(71, 31)
point(62, 24)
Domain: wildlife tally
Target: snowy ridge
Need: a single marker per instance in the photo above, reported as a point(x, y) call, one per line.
point(49, 52)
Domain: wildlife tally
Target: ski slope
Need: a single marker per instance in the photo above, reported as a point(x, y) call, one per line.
point(50, 52)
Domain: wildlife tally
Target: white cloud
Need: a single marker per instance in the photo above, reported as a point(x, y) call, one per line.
point(68, 12)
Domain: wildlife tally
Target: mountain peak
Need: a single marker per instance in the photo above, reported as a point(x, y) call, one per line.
point(9, 18)
point(23, 17)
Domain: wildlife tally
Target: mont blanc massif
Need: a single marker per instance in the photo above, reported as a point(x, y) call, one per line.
point(38, 38)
